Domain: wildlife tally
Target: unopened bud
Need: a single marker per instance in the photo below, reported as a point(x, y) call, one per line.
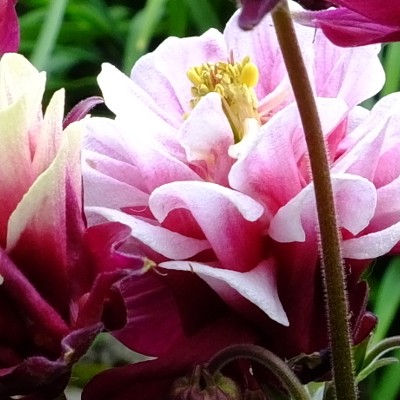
point(201, 385)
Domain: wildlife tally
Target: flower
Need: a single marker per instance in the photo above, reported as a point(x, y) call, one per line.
point(9, 27)
point(206, 164)
point(54, 295)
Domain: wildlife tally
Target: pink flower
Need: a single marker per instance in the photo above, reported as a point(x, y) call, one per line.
point(53, 293)
point(357, 22)
point(207, 166)
point(9, 27)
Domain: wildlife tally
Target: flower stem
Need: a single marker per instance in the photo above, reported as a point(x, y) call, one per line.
point(332, 265)
point(265, 358)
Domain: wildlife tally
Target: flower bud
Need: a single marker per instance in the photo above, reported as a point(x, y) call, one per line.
point(201, 385)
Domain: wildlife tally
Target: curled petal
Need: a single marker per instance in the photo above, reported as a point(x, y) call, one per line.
point(82, 109)
point(372, 245)
point(225, 216)
point(257, 285)
point(163, 241)
point(355, 202)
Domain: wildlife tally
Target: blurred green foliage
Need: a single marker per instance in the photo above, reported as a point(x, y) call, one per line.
point(71, 38)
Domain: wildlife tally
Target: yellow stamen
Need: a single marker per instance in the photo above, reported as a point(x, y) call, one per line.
point(249, 75)
point(234, 82)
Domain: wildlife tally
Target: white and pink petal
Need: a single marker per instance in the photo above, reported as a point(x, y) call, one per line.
point(355, 204)
point(257, 286)
point(227, 218)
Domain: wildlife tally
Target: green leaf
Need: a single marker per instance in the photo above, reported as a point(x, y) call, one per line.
point(360, 351)
point(204, 14)
point(391, 64)
point(387, 299)
point(178, 17)
point(48, 34)
point(83, 372)
point(379, 363)
point(142, 28)
point(388, 387)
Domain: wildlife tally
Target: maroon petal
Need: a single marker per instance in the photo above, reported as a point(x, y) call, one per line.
point(253, 12)
point(150, 380)
point(9, 27)
point(345, 27)
point(81, 109)
point(383, 11)
point(44, 378)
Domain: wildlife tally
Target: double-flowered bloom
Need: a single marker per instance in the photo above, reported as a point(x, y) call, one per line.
point(207, 166)
point(54, 291)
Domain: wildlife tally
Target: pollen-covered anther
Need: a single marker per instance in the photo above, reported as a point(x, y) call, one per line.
point(234, 82)
point(249, 75)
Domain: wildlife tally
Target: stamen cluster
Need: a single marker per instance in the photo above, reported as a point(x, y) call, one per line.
point(235, 82)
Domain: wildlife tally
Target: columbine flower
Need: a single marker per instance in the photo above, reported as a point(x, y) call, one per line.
point(207, 165)
point(53, 291)
point(9, 27)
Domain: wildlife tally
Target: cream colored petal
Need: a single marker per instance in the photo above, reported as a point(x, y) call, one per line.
point(49, 137)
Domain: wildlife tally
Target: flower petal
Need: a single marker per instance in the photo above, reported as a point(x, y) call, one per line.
point(345, 27)
point(257, 285)
point(45, 226)
point(355, 202)
point(122, 95)
point(209, 141)
point(373, 245)
point(151, 380)
point(386, 11)
point(166, 81)
point(226, 217)
point(270, 170)
point(9, 27)
point(163, 241)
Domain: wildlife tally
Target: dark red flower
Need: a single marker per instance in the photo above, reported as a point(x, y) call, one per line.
point(55, 294)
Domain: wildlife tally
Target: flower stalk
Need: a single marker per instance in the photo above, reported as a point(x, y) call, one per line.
point(332, 265)
point(265, 358)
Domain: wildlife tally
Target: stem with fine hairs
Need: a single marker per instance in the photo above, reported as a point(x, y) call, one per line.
point(331, 259)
